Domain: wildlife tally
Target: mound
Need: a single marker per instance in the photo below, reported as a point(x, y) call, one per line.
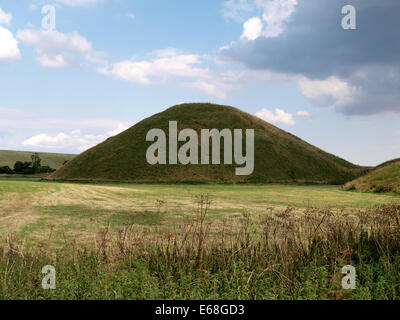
point(279, 156)
point(384, 178)
point(53, 160)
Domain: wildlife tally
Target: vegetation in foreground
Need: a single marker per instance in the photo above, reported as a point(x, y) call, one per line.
point(384, 178)
point(78, 210)
point(132, 241)
point(286, 256)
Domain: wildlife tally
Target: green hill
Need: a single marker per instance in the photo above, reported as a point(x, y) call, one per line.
point(384, 178)
point(279, 156)
point(54, 160)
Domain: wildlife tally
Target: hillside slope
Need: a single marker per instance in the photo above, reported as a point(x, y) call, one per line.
point(279, 156)
point(384, 178)
point(54, 160)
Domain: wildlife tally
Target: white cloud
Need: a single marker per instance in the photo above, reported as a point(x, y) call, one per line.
point(303, 114)
point(235, 9)
point(120, 128)
point(170, 64)
point(329, 92)
point(28, 129)
point(160, 69)
point(44, 140)
point(55, 61)
point(5, 18)
point(275, 14)
point(8, 46)
point(252, 28)
point(61, 141)
point(279, 116)
point(56, 49)
point(220, 84)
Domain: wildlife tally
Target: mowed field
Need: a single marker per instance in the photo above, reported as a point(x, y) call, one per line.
point(133, 241)
point(43, 211)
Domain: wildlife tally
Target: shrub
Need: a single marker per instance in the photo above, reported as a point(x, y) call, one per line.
point(6, 169)
point(23, 167)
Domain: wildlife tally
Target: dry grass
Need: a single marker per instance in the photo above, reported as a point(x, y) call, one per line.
point(77, 211)
point(282, 256)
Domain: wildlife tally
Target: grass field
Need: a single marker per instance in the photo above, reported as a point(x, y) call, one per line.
point(54, 160)
point(28, 208)
point(384, 178)
point(132, 241)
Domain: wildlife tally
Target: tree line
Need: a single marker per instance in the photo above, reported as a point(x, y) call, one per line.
point(26, 167)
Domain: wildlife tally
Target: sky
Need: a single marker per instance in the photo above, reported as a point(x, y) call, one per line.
point(75, 72)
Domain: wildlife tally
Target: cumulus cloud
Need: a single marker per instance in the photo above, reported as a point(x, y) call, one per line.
point(354, 71)
point(252, 28)
point(9, 46)
point(329, 92)
point(236, 9)
point(276, 13)
point(64, 141)
point(160, 69)
point(271, 19)
point(169, 64)
point(74, 140)
point(187, 70)
point(28, 129)
point(56, 49)
point(5, 18)
point(278, 116)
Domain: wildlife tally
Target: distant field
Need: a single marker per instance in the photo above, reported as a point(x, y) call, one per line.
point(54, 160)
point(28, 208)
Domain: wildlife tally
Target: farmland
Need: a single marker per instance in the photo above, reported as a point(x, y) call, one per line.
point(140, 241)
point(27, 208)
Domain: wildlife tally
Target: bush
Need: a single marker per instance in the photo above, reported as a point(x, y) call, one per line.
point(31, 167)
point(6, 169)
point(23, 167)
point(46, 169)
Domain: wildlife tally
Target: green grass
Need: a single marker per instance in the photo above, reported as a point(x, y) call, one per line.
point(279, 156)
point(28, 208)
point(54, 160)
point(384, 178)
point(138, 241)
point(286, 256)
point(25, 185)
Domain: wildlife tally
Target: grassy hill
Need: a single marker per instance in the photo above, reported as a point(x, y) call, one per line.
point(54, 160)
point(384, 178)
point(279, 156)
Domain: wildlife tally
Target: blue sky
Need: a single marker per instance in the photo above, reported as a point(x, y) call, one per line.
point(111, 63)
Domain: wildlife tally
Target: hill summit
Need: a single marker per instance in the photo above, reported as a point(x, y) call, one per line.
point(278, 155)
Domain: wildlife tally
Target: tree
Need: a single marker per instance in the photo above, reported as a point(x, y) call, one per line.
point(6, 169)
point(36, 163)
point(22, 167)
